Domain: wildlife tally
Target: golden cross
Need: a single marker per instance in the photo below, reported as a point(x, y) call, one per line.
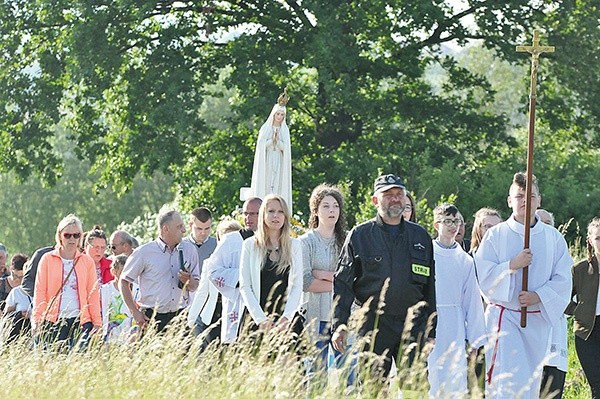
point(535, 52)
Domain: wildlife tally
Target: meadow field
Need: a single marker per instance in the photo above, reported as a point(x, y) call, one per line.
point(171, 366)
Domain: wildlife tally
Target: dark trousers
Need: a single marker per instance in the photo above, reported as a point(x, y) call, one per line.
point(388, 340)
point(20, 326)
point(477, 378)
point(588, 352)
point(553, 381)
point(212, 332)
point(66, 333)
point(161, 319)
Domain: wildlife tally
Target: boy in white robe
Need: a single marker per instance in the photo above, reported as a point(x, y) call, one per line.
point(459, 309)
point(516, 355)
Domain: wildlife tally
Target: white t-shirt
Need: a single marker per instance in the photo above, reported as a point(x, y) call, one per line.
point(19, 299)
point(117, 321)
point(69, 302)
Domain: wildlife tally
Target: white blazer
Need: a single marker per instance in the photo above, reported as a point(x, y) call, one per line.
point(250, 264)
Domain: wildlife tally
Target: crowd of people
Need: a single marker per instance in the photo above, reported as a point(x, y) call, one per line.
point(413, 292)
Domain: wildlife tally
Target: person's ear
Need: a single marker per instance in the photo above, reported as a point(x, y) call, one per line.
point(509, 202)
point(374, 200)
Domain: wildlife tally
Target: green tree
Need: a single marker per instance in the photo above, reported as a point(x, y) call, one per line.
point(31, 209)
point(131, 81)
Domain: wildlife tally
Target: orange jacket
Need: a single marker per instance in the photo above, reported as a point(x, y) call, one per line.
point(48, 282)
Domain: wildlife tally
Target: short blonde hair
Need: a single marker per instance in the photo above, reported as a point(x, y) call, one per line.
point(67, 221)
point(227, 226)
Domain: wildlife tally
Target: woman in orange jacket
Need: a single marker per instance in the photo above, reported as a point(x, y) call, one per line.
point(66, 297)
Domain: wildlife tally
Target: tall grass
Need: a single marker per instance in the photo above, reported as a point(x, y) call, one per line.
point(172, 366)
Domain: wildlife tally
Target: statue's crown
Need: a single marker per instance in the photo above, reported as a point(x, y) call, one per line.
point(283, 98)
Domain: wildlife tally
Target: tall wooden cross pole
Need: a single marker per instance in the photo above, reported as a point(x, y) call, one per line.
point(535, 52)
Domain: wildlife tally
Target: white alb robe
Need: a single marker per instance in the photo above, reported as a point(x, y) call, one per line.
point(515, 358)
point(205, 299)
point(272, 169)
point(223, 269)
point(459, 319)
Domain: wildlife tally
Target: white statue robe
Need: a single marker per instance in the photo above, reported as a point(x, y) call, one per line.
point(224, 274)
point(515, 357)
point(272, 169)
point(459, 318)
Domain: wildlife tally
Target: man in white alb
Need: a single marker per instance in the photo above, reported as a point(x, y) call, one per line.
point(516, 355)
point(224, 270)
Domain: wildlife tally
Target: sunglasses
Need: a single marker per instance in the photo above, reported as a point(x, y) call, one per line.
point(68, 236)
point(114, 246)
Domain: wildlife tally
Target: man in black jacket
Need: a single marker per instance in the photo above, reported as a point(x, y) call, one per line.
point(387, 264)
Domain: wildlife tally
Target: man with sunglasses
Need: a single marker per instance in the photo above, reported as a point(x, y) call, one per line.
point(386, 266)
point(121, 243)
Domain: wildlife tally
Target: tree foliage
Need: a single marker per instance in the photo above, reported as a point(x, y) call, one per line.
point(131, 81)
point(31, 210)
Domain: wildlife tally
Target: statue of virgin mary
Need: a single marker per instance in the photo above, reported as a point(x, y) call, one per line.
point(272, 169)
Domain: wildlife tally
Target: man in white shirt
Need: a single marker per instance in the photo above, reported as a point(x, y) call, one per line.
point(158, 267)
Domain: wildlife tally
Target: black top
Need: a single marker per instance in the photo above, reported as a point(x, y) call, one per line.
point(245, 233)
point(4, 290)
point(375, 252)
point(30, 270)
point(273, 288)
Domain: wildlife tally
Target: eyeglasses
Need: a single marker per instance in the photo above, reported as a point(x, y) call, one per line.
point(451, 222)
point(68, 236)
point(114, 246)
point(407, 208)
point(99, 248)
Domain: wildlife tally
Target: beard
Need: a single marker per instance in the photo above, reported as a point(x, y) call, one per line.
point(393, 211)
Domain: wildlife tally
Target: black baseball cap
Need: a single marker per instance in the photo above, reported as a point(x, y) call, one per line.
point(385, 182)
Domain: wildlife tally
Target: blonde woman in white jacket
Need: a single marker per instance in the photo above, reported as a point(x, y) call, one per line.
point(271, 268)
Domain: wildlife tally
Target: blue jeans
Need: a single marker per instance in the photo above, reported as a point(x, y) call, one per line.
point(332, 358)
